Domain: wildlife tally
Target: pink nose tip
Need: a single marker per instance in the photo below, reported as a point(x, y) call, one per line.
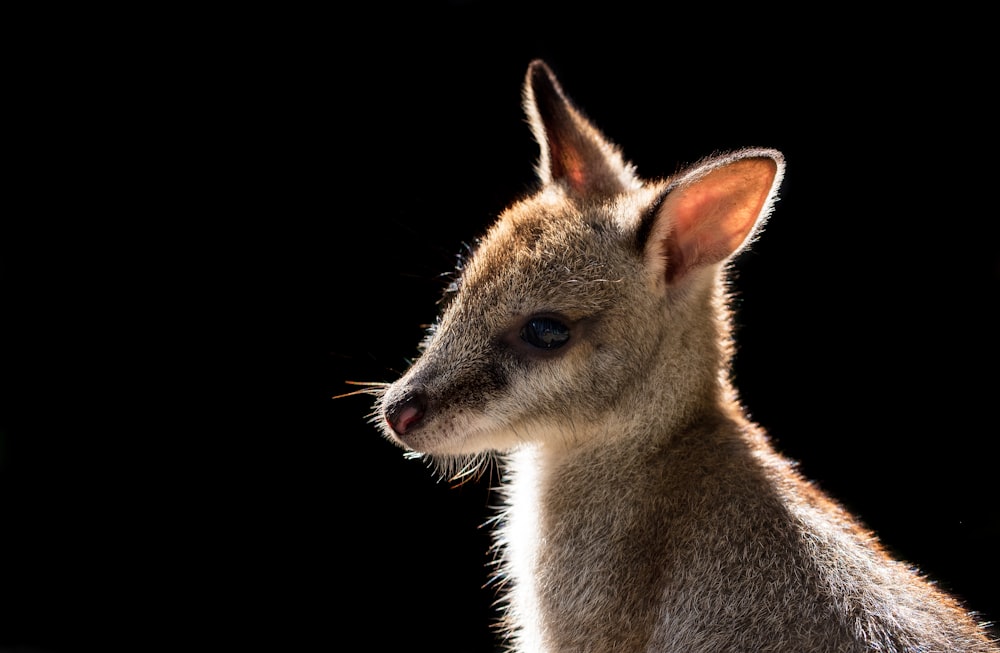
point(403, 415)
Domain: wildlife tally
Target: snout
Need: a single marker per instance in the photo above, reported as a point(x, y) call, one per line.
point(405, 413)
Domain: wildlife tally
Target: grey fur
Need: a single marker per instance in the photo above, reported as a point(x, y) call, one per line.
point(644, 510)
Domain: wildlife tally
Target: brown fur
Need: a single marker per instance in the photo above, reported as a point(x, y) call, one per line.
point(645, 512)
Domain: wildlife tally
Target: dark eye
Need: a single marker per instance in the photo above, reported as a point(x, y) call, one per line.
point(545, 333)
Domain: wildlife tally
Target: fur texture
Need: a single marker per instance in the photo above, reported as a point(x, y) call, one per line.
point(587, 344)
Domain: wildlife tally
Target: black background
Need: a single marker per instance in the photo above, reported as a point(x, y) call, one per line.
point(217, 221)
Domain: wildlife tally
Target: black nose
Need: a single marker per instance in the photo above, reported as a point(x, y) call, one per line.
point(406, 413)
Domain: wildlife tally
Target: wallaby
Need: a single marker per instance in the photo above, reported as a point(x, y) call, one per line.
point(586, 343)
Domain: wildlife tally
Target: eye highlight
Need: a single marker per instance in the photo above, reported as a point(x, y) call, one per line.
point(545, 333)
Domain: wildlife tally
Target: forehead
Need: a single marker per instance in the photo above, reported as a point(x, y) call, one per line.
point(548, 226)
point(547, 253)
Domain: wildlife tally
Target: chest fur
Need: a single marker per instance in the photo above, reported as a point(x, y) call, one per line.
point(585, 557)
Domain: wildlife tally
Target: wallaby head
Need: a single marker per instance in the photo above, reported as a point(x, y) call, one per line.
point(587, 342)
point(587, 301)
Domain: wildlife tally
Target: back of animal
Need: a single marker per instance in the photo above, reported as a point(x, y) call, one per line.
point(585, 345)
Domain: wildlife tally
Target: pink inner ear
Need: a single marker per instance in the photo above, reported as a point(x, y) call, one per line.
point(568, 164)
point(577, 158)
point(715, 213)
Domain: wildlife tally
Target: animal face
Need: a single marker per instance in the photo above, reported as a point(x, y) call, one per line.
point(543, 331)
point(581, 295)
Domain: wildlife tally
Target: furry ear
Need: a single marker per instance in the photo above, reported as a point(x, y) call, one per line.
point(710, 212)
point(573, 152)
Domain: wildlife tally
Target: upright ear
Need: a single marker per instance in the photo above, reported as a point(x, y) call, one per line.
point(710, 212)
point(573, 152)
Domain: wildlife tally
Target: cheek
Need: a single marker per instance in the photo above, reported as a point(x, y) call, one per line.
point(559, 385)
point(598, 370)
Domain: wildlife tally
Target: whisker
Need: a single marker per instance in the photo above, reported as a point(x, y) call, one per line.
point(372, 388)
